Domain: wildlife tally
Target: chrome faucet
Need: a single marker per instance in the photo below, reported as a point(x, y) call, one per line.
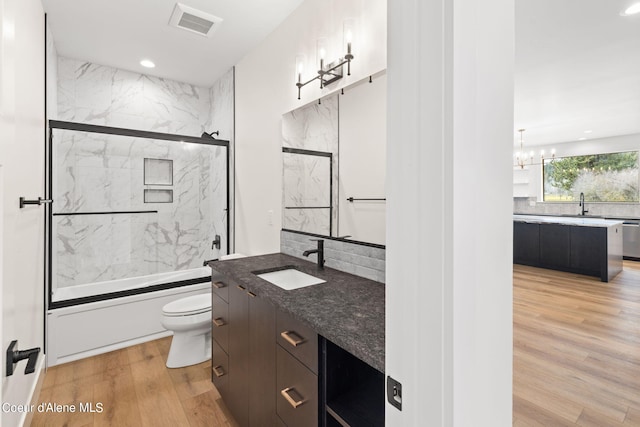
point(319, 251)
point(581, 204)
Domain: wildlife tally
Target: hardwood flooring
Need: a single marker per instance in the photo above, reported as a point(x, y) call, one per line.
point(135, 389)
point(576, 355)
point(576, 362)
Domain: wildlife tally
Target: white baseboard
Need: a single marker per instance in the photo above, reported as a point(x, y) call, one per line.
point(34, 393)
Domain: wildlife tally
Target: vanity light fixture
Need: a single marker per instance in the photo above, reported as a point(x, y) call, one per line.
point(147, 63)
point(631, 10)
point(328, 72)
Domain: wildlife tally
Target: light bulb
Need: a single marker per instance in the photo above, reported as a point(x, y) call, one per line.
point(147, 63)
point(632, 10)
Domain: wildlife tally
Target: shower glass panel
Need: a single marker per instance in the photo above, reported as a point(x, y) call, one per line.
point(132, 212)
point(307, 191)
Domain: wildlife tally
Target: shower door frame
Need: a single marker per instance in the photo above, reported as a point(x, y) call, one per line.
point(109, 130)
point(315, 153)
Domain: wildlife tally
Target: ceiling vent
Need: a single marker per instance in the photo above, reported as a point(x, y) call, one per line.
point(194, 20)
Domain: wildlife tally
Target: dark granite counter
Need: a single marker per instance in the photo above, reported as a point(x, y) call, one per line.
point(347, 310)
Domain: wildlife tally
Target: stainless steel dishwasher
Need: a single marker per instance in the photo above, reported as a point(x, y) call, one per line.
point(631, 239)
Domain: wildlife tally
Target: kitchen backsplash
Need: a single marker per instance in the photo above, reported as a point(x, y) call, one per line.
point(522, 205)
point(360, 260)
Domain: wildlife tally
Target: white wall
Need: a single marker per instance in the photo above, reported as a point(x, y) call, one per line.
point(449, 251)
point(363, 147)
point(265, 89)
point(22, 137)
point(52, 76)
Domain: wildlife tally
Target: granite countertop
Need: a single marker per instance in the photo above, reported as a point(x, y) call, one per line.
point(347, 310)
point(566, 220)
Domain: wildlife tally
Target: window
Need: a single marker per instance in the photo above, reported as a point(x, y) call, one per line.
point(611, 177)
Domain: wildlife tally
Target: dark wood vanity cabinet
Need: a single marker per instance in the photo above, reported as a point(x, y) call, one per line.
point(262, 362)
point(273, 370)
point(296, 372)
point(243, 340)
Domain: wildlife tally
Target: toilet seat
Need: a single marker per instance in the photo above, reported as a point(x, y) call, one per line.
point(188, 306)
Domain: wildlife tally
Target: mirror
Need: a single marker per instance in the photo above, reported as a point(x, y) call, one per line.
point(334, 164)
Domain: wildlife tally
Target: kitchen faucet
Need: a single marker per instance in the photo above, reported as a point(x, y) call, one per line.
point(581, 204)
point(319, 251)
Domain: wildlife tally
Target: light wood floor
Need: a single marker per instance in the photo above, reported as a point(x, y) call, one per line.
point(576, 362)
point(136, 390)
point(576, 349)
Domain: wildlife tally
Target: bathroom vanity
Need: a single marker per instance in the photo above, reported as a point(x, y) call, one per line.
point(583, 245)
point(312, 356)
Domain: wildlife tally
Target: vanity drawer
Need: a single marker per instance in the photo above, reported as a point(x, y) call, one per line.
point(220, 369)
point(220, 285)
point(220, 322)
point(297, 339)
point(297, 391)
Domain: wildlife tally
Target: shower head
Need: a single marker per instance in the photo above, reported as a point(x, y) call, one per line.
point(210, 135)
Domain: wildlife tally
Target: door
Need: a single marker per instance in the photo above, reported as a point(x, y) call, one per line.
point(22, 125)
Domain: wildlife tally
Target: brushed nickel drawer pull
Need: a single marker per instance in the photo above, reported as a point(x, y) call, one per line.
point(218, 371)
point(242, 288)
point(251, 294)
point(219, 285)
point(291, 400)
point(292, 338)
point(219, 321)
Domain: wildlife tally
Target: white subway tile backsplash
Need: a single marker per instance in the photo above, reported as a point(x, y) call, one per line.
point(360, 260)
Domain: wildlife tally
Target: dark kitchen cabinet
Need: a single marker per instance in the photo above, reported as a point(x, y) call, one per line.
point(583, 249)
point(555, 244)
point(587, 246)
point(526, 243)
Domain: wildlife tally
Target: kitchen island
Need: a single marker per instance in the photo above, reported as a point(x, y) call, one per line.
point(583, 245)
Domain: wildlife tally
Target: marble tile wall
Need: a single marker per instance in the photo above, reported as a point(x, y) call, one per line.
point(98, 172)
point(222, 119)
point(312, 127)
point(101, 95)
point(360, 260)
point(104, 173)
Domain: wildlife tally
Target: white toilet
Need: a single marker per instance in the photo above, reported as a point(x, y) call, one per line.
point(190, 320)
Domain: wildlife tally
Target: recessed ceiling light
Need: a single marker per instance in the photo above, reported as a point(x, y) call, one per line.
point(147, 63)
point(588, 131)
point(631, 10)
point(581, 139)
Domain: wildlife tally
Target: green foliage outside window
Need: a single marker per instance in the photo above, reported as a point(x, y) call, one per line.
point(611, 177)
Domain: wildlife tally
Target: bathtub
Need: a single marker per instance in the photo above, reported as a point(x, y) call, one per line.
point(93, 328)
point(111, 286)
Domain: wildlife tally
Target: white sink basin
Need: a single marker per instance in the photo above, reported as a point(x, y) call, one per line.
point(290, 278)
